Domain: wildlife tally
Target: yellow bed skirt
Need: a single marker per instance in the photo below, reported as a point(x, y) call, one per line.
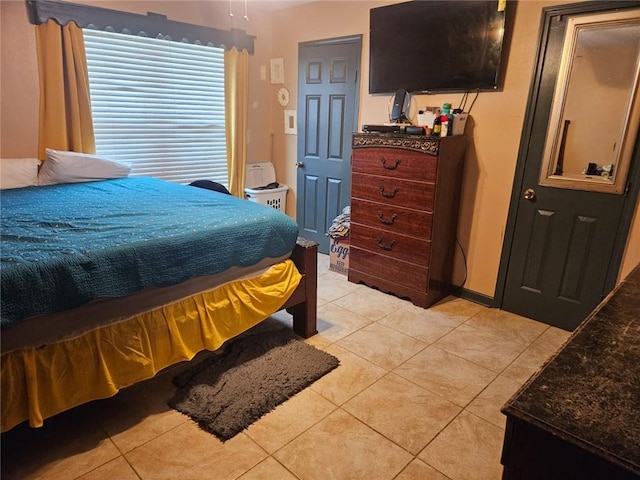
point(38, 383)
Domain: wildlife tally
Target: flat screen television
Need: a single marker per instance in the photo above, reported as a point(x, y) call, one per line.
point(437, 45)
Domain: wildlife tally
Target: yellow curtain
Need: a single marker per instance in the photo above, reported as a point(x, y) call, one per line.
point(236, 81)
point(65, 102)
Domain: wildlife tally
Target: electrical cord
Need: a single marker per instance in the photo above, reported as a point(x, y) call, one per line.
point(464, 258)
point(463, 101)
point(474, 100)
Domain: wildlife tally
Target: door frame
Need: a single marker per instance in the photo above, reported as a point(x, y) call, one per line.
point(633, 178)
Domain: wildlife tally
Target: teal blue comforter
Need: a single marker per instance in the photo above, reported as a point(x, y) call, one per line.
point(65, 245)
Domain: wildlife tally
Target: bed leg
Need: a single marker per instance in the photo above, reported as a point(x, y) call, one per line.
point(305, 256)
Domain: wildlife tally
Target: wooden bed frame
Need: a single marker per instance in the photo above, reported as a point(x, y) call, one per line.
point(303, 302)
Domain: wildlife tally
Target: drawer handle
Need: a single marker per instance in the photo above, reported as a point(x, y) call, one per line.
point(383, 161)
point(389, 246)
point(386, 221)
point(389, 194)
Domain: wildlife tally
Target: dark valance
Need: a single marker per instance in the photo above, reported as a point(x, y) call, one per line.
point(151, 25)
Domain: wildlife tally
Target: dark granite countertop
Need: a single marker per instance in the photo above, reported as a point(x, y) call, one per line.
point(588, 394)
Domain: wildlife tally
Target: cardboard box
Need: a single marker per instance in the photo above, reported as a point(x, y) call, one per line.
point(339, 255)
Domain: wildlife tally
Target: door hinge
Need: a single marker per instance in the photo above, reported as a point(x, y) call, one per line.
point(627, 188)
point(356, 77)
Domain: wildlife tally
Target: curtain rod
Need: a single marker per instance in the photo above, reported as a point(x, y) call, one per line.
point(151, 24)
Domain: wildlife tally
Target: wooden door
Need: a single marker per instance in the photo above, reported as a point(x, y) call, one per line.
point(563, 247)
point(328, 89)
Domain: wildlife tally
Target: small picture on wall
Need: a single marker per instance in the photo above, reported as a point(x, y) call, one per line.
point(276, 69)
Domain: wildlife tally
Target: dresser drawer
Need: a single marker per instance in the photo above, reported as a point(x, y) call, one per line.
point(393, 245)
point(395, 163)
point(380, 266)
point(391, 218)
point(393, 191)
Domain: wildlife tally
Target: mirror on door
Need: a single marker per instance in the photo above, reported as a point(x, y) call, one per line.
point(596, 106)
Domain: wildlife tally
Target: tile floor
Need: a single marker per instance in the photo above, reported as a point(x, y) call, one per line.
point(417, 396)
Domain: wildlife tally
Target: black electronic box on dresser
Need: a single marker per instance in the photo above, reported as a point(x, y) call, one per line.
point(405, 194)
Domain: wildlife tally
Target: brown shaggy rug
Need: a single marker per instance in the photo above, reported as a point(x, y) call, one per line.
point(229, 391)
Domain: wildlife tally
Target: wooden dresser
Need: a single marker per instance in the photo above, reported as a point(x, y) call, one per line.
point(405, 193)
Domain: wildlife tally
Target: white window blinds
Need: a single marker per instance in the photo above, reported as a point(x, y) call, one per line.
point(158, 105)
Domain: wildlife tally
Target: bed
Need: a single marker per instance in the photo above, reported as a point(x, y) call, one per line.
point(105, 283)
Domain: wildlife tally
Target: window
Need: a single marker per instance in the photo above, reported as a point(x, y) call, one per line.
point(159, 105)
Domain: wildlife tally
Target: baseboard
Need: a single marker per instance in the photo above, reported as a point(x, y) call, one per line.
point(474, 297)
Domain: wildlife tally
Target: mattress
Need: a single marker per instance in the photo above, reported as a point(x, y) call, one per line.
point(66, 245)
point(37, 331)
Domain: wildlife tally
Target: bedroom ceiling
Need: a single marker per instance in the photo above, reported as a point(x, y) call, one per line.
point(266, 5)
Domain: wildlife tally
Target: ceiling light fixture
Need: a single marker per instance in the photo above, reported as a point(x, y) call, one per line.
point(246, 10)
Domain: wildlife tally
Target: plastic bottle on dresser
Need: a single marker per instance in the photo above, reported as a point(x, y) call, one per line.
point(446, 120)
point(437, 125)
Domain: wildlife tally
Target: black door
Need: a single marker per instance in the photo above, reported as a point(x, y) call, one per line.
point(563, 247)
point(328, 88)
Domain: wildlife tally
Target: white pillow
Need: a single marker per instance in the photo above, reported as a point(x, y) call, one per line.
point(73, 167)
point(18, 172)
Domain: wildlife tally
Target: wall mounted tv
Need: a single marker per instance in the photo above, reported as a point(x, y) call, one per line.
point(431, 46)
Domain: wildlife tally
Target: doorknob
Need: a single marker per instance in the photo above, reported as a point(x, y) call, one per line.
point(299, 164)
point(529, 194)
